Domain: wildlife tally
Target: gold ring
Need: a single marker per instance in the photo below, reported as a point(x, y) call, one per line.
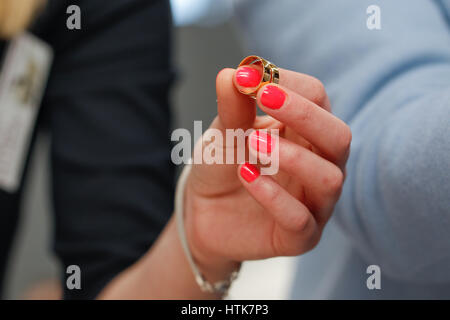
point(270, 73)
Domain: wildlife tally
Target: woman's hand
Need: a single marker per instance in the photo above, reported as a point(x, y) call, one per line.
point(233, 213)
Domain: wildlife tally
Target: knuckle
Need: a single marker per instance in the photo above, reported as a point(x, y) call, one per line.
point(334, 182)
point(273, 195)
point(293, 154)
point(345, 138)
point(318, 92)
point(304, 112)
point(314, 241)
point(301, 222)
point(309, 242)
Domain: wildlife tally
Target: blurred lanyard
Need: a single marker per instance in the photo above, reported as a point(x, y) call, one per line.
point(23, 78)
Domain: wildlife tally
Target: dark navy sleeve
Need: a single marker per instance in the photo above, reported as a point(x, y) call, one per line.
point(108, 112)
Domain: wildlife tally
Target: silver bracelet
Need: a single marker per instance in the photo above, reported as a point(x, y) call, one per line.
point(220, 287)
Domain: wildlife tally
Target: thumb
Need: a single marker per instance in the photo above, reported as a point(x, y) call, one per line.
point(235, 111)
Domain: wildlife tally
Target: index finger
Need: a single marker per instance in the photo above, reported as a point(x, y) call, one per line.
point(305, 85)
point(235, 110)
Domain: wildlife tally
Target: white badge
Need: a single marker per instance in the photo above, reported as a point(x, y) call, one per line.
point(23, 80)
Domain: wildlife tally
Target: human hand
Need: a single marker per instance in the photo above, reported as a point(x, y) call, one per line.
point(232, 212)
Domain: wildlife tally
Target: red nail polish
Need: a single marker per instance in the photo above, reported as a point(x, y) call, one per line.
point(249, 172)
point(248, 77)
point(261, 141)
point(273, 97)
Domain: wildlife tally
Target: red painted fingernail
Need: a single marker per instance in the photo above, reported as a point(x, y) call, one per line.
point(261, 141)
point(249, 172)
point(248, 77)
point(273, 97)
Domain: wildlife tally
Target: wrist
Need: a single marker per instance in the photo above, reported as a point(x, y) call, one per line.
point(213, 266)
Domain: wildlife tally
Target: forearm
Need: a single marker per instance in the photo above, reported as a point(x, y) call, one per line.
point(395, 205)
point(163, 273)
point(390, 88)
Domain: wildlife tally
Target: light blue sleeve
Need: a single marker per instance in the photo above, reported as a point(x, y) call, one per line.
point(392, 86)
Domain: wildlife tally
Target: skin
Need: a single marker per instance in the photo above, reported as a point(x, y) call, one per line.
point(229, 220)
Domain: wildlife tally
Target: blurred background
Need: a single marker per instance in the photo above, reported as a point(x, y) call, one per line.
point(204, 42)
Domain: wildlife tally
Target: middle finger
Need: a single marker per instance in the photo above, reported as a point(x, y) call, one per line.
point(321, 128)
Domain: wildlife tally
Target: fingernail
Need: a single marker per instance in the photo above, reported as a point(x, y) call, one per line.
point(273, 97)
point(248, 77)
point(249, 172)
point(261, 141)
